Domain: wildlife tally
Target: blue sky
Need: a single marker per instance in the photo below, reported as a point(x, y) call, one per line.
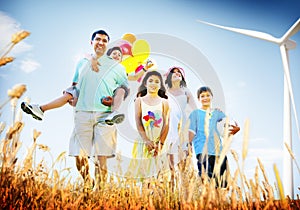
point(249, 70)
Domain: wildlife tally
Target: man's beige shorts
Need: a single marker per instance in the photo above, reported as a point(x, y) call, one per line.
point(90, 138)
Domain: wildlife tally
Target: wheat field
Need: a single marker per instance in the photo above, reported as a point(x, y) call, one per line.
point(28, 185)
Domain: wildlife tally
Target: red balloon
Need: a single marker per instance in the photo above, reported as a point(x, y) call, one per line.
point(125, 47)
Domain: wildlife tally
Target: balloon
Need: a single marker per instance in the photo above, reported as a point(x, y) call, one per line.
point(125, 47)
point(130, 64)
point(140, 50)
point(129, 37)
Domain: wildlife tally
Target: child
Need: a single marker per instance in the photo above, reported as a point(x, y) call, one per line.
point(119, 94)
point(179, 98)
point(203, 131)
point(152, 122)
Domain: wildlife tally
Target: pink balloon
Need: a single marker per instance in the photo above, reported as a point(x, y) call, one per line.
point(125, 47)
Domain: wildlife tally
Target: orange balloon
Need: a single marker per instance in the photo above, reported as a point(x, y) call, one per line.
point(129, 37)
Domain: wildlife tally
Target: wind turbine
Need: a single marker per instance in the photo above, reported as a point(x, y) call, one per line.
point(285, 45)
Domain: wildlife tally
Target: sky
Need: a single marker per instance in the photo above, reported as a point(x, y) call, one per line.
point(247, 73)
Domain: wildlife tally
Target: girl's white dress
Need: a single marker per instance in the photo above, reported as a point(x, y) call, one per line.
point(143, 163)
point(177, 106)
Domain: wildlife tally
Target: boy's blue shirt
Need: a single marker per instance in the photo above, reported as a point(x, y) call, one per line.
point(197, 126)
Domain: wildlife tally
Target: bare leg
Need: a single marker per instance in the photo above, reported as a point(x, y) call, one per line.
point(101, 170)
point(83, 168)
point(118, 98)
point(171, 166)
point(56, 103)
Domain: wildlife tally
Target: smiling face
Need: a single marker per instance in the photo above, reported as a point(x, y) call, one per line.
point(205, 98)
point(176, 75)
point(116, 55)
point(99, 44)
point(153, 84)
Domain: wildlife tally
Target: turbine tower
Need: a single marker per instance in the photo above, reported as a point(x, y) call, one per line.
point(285, 45)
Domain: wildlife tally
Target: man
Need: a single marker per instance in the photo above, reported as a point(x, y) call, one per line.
point(91, 133)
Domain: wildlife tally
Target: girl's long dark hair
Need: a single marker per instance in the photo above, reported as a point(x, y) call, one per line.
point(142, 90)
point(168, 81)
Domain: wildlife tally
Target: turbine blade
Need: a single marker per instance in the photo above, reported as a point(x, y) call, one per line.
point(286, 68)
point(255, 34)
point(293, 30)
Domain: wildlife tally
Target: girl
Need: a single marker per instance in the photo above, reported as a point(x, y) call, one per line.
point(179, 98)
point(152, 122)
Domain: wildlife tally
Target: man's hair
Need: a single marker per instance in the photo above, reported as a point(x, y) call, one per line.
point(99, 32)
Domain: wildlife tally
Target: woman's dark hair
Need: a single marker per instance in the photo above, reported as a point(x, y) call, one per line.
point(204, 89)
point(142, 90)
point(110, 50)
point(99, 32)
point(168, 81)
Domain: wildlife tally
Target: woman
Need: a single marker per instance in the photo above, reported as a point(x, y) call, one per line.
point(179, 98)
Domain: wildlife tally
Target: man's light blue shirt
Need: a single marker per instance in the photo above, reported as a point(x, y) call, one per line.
point(93, 86)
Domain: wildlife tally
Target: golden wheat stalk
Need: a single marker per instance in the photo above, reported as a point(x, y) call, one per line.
point(222, 156)
point(279, 183)
point(15, 39)
point(261, 166)
point(245, 141)
point(292, 155)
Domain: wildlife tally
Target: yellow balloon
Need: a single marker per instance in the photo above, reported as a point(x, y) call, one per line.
point(129, 37)
point(140, 50)
point(130, 64)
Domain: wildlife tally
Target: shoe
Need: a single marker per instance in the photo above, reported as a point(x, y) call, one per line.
point(114, 118)
point(34, 110)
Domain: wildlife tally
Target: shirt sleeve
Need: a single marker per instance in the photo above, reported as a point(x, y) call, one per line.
point(123, 79)
point(78, 70)
point(193, 121)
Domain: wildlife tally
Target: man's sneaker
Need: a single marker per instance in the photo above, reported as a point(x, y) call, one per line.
point(32, 109)
point(114, 118)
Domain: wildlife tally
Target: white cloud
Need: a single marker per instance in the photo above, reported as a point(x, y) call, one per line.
point(29, 65)
point(8, 27)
